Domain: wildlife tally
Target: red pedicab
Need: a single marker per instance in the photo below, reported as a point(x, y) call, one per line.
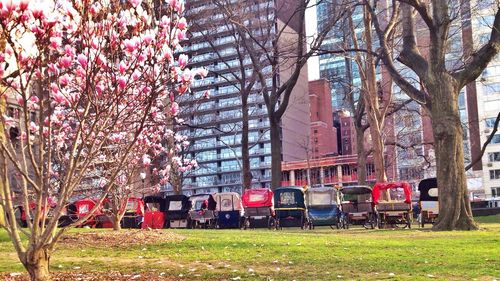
point(20, 213)
point(396, 209)
point(258, 208)
point(154, 212)
point(133, 217)
point(134, 213)
point(79, 209)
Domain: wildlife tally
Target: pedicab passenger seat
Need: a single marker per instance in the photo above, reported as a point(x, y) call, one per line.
point(258, 211)
point(393, 206)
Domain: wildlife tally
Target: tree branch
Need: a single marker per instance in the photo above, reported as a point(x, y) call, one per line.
point(483, 149)
point(480, 59)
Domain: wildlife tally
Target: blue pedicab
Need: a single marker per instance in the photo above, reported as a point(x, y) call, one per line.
point(323, 207)
point(290, 207)
point(228, 210)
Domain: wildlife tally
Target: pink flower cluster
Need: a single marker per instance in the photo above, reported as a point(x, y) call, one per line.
point(101, 84)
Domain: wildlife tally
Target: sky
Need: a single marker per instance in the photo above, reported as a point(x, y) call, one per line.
point(311, 25)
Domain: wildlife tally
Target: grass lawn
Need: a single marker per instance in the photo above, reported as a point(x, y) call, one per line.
point(292, 254)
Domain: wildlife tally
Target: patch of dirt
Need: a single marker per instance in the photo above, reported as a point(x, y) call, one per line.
point(115, 239)
point(92, 276)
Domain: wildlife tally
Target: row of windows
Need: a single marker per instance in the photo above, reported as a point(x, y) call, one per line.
point(495, 174)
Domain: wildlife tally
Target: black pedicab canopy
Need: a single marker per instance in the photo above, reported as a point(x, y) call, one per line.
point(428, 189)
point(289, 197)
point(155, 199)
point(356, 189)
point(177, 203)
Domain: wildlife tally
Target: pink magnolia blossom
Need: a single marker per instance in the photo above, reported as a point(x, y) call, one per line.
point(122, 67)
point(183, 61)
point(82, 60)
point(174, 108)
point(135, 3)
point(19, 99)
point(64, 80)
point(24, 5)
point(9, 121)
point(65, 62)
point(131, 44)
point(182, 24)
point(55, 42)
point(122, 82)
point(34, 127)
point(146, 160)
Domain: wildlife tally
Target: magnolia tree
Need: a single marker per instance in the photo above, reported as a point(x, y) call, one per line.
point(95, 83)
point(130, 181)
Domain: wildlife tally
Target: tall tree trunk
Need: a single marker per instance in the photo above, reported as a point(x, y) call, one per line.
point(175, 176)
point(375, 118)
point(454, 205)
point(245, 153)
point(36, 262)
point(275, 153)
point(361, 152)
point(116, 223)
point(2, 139)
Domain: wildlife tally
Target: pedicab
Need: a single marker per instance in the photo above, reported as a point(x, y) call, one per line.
point(229, 210)
point(290, 207)
point(177, 209)
point(134, 213)
point(395, 209)
point(428, 201)
point(357, 208)
point(154, 212)
point(323, 206)
point(202, 213)
point(258, 208)
point(20, 213)
point(79, 209)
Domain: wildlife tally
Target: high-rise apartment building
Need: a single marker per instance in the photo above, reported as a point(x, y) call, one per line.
point(214, 124)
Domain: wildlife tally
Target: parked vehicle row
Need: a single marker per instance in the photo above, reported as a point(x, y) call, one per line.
point(386, 204)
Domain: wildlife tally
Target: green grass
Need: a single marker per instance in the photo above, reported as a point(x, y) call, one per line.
point(292, 254)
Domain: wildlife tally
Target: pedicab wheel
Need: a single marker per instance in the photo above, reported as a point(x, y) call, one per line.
point(271, 223)
point(408, 220)
point(380, 221)
point(368, 225)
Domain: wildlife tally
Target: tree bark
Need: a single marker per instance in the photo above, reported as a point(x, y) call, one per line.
point(375, 117)
point(36, 262)
point(116, 223)
point(361, 152)
point(245, 154)
point(275, 153)
point(454, 205)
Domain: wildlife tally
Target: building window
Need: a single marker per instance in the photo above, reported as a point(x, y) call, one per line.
point(495, 191)
point(494, 157)
point(494, 174)
point(495, 139)
point(490, 122)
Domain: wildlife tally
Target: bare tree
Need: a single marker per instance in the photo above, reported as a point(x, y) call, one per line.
point(276, 38)
point(439, 89)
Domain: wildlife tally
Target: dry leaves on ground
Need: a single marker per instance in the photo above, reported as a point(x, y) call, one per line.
point(124, 238)
point(91, 276)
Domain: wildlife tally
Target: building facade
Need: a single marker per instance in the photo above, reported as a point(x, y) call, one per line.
point(323, 133)
point(214, 125)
